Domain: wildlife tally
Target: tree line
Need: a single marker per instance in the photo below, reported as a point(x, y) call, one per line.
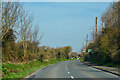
point(21, 39)
point(106, 44)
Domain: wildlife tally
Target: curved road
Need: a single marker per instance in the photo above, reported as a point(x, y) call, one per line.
point(71, 69)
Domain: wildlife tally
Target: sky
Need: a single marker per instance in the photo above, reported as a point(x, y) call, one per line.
point(65, 23)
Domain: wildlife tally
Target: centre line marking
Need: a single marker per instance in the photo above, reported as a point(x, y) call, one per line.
point(72, 77)
point(66, 67)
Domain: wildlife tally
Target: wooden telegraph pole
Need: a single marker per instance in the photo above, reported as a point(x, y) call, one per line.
point(119, 32)
point(96, 27)
point(87, 40)
point(119, 24)
point(83, 45)
point(102, 26)
point(82, 49)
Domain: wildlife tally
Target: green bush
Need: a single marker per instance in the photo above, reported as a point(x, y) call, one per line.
point(41, 57)
point(4, 70)
point(9, 70)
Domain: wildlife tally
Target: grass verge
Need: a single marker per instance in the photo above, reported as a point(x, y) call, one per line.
point(21, 71)
point(81, 59)
point(108, 64)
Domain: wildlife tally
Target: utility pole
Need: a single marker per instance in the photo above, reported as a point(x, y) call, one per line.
point(96, 27)
point(102, 26)
point(87, 40)
point(119, 31)
point(82, 49)
point(119, 24)
point(83, 45)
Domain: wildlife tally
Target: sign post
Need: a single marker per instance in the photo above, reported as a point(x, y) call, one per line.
point(84, 50)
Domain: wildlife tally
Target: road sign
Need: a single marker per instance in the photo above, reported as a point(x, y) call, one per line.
point(84, 50)
point(89, 50)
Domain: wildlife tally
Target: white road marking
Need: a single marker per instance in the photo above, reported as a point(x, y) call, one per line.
point(72, 77)
point(67, 69)
point(111, 74)
point(68, 72)
point(103, 71)
point(94, 69)
point(66, 65)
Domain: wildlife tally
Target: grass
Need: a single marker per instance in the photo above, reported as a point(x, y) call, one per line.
point(112, 65)
point(21, 71)
point(108, 64)
point(81, 59)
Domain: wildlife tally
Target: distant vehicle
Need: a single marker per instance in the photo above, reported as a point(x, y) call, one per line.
point(71, 58)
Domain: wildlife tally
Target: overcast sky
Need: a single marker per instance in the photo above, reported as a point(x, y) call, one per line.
point(65, 23)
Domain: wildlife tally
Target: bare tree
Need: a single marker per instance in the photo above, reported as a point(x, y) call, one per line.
point(16, 19)
point(25, 30)
point(10, 16)
point(110, 17)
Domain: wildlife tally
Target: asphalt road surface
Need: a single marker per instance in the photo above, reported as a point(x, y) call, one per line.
point(71, 69)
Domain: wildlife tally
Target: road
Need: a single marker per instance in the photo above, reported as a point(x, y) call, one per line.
point(71, 69)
